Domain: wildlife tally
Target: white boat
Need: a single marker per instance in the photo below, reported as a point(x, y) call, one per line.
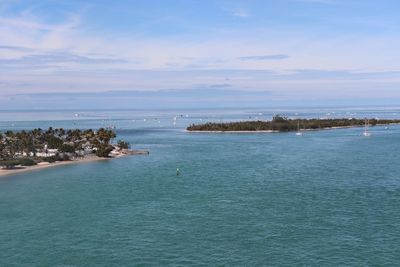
point(298, 133)
point(366, 133)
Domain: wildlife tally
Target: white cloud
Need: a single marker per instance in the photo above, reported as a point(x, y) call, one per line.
point(41, 56)
point(241, 13)
point(265, 57)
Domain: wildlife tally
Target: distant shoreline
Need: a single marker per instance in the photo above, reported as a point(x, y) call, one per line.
point(46, 165)
point(261, 131)
point(276, 131)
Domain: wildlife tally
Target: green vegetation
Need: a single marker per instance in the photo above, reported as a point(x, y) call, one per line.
point(10, 164)
point(67, 148)
point(283, 124)
point(56, 157)
point(104, 150)
point(27, 148)
point(123, 145)
point(26, 162)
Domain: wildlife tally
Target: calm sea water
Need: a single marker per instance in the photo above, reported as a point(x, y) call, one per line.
point(328, 198)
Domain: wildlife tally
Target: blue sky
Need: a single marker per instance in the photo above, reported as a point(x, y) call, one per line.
point(181, 53)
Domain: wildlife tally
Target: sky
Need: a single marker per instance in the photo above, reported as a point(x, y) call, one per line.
point(198, 53)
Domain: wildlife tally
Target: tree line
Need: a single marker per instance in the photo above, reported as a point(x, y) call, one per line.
point(284, 124)
point(26, 144)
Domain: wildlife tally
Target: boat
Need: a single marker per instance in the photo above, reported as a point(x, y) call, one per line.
point(366, 133)
point(298, 133)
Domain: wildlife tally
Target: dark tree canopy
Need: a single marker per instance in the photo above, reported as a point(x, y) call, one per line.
point(283, 124)
point(15, 145)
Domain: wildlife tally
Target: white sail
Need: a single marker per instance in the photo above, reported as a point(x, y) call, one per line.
point(366, 133)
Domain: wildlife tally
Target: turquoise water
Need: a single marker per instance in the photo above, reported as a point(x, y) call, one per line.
point(328, 198)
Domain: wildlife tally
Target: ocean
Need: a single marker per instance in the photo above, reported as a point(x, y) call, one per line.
point(327, 198)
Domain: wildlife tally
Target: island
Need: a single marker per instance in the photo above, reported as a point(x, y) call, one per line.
point(283, 124)
point(36, 149)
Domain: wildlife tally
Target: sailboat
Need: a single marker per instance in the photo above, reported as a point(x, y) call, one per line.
point(366, 133)
point(298, 133)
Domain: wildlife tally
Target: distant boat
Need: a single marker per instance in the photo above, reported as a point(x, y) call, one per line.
point(366, 133)
point(298, 133)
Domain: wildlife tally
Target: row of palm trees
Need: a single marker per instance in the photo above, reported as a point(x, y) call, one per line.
point(15, 144)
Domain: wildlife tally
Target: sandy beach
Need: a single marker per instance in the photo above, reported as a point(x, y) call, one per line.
point(45, 165)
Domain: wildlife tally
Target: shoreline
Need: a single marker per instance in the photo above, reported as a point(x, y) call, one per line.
point(301, 130)
point(261, 131)
point(46, 165)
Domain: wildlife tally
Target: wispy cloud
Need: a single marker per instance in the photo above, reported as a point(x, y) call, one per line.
point(14, 48)
point(217, 86)
point(241, 13)
point(191, 97)
point(265, 57)
point(30, 22)
point(314, 74)
point(25, 32)
point(54, 59)
point(70, 50)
